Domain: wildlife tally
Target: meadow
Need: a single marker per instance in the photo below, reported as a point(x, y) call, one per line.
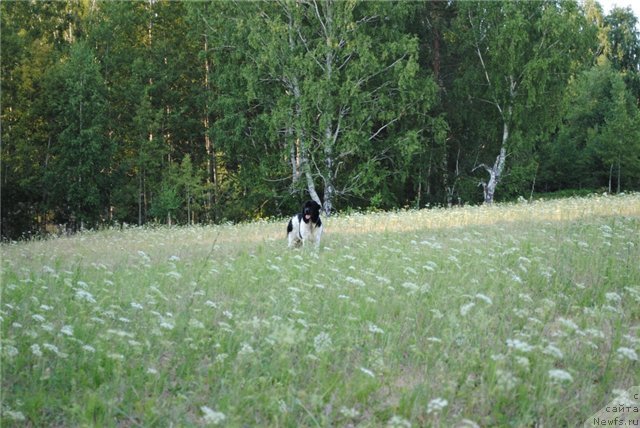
point(514, 315)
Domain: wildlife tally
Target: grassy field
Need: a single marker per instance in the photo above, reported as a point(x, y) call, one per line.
point(511, 315)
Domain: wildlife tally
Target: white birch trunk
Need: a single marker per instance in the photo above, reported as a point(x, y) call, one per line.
point(495, 172)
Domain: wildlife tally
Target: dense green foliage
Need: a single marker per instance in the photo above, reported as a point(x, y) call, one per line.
point(186, 112)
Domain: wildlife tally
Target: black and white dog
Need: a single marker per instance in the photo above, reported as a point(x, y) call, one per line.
point(305, 226)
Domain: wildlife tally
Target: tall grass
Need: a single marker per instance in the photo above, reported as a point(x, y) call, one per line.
point(512, 315)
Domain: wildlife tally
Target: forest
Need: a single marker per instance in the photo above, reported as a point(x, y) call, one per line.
point(208, 112)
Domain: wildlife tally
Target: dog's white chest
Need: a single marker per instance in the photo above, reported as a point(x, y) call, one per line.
point(307, 230)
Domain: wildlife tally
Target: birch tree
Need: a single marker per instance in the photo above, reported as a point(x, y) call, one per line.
point(521, 55)
point(346, 79)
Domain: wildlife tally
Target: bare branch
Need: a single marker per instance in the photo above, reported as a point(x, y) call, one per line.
point(484, 68)
point(482, 165)
point(365, 79)
point(383, 127)
point(318, 15)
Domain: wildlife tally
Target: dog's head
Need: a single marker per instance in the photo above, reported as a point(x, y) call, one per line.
point(311, 212)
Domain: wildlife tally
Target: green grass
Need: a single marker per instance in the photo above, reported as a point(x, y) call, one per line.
point(473, 306)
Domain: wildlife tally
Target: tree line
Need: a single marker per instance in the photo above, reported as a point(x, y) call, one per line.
point(183, 112)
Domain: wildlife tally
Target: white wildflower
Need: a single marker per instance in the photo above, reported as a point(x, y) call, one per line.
point(506, 381)
point(436, 405)
point(613, 298)
point(273, 267)
point(89, 348)
point(349, 412)
point(553, 351)
point(558, 375)
point(67, 330)
point(627, 353)
point(13, 415)
point(569, 324)
point(484, 298)
point(398, 422)
point(85, 295)
point(355, 281)
point(521, 313)
point(173, 274)
point(367, 372)
point(167, 325)
point(430, 266)
point(136, 305)
point(38, 318)
point(534, 320)
point(526, 297)
point(375, 329)
point(225, 327)
point(612, 309)
point(383, 280)
point(410, 286)
point(211, 416)
point(322, 343)
point(522, 362)
point(519, 345)
point(152, 371)
point(10, 351)
point(464, 309)
point(246, 349)
point(46, 308)
point(115, 356)
point(410, 270)
point(52, 348)
point(437, 314)
point(121, 333)
point(35, 350)
point(197, 324)
point(631, 339)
